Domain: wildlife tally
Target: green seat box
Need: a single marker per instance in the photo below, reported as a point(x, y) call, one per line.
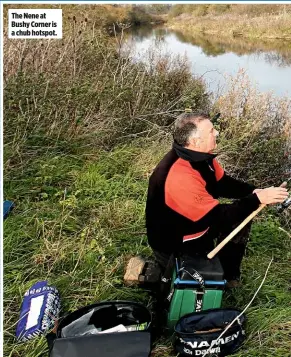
point(186, 289)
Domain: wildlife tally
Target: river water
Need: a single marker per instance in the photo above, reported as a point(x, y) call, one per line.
point(267, 63)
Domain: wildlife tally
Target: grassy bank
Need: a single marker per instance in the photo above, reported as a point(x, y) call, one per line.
point(234, 20)
point(80, 215)
point(84, 125)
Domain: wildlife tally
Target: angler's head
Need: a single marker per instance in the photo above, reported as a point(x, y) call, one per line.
point(195, 131)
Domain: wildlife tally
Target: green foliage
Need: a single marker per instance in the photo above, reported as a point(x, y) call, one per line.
point(266, 237)
point(79, 180)
point(82, 93)
point(81, 234)
point(78, 235)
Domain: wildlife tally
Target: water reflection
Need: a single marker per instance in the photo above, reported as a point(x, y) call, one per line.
point(274, 51)
point(262, 58)
point(281, 60)
point(141, 33)
point(209, 47)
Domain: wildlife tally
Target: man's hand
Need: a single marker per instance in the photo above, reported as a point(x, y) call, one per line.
point(272, 195)
point(284, 184)
point(257, 190)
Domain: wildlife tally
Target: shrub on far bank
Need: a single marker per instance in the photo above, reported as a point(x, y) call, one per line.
point(251, 10)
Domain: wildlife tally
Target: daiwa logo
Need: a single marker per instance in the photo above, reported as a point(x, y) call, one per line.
point(201, 344)
point(201, 353)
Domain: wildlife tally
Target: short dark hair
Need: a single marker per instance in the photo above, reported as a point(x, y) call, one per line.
point(185, 126)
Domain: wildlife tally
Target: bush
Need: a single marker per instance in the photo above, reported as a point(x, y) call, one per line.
point(200, 10)
point(176, 10)
point(258, 9)
point(138, 16)
point(251, 10)
point(255, 133)
point(85, 88)
point(218, 9)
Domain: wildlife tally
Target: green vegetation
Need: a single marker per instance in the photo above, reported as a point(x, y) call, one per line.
point(80, 215)
point(82, 88)
point(84, 127)
point(247, 20)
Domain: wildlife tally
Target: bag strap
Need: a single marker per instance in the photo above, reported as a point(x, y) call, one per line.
point(166, 280)
point(199, 292)
point(199, 300)
point(195, 275)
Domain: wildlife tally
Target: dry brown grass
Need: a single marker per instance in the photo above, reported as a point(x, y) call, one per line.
point(255, 132)
point(83, 86)
point(229, 24)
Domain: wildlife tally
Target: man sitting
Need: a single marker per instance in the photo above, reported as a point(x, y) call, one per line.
point(183, 214)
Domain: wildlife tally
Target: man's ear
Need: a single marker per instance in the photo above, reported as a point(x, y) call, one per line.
point(195, 141)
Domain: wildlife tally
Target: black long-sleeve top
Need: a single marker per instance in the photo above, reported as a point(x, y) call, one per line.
point(182, 199)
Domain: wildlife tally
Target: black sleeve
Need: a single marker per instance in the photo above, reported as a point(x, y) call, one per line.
point(232, 188)
point(226, 215)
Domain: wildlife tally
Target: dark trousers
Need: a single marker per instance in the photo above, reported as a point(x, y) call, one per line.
point(230, 255)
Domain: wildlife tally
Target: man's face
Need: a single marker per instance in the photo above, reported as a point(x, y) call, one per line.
point(205, 138)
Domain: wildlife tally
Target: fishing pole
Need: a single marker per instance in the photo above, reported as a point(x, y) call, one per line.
point(287, 203)
point(280, 208)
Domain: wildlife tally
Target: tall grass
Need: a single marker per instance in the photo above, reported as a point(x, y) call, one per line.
point(77, 220)
point(82, 88)
point(251, 10)
point(235, 21)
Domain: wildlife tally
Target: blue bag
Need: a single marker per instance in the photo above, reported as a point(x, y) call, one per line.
point(39, 311)
point(7, 207)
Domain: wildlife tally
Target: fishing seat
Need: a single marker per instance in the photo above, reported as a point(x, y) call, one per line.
point(197, 284)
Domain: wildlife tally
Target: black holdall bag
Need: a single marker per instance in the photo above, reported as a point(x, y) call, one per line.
point(83, 333)
point(196, 334)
